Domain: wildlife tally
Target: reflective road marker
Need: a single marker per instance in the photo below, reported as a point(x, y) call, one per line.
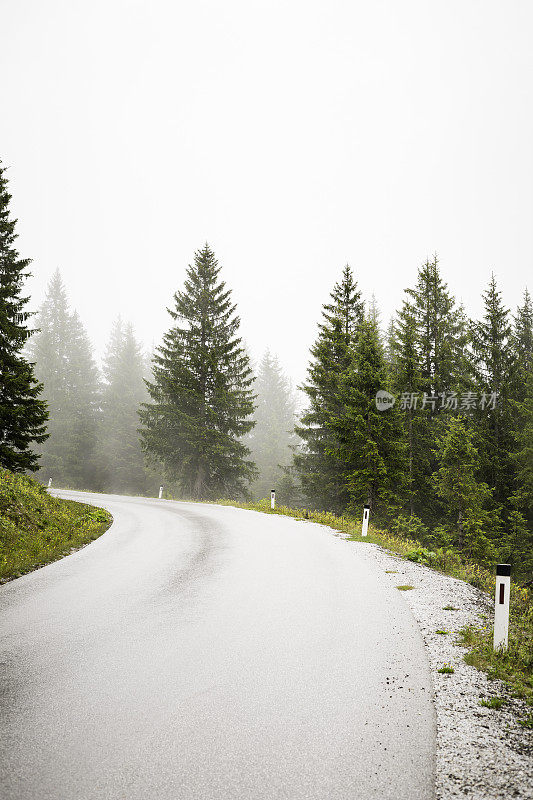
point(501, 606)
point(366, 514)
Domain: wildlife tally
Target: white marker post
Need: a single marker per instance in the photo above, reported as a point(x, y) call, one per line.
point(49, 482)
point(366, 514)
point(272, 498)
point(501, 606)
point(160, 492)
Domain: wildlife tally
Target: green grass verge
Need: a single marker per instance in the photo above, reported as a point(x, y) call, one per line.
point(515, 667)
point(36, 528)
point(494, 702)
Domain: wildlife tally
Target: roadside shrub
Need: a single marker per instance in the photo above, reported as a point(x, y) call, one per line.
point(422, 556)
point(411, 527)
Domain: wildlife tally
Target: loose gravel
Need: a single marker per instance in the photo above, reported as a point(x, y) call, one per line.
point(482, 753)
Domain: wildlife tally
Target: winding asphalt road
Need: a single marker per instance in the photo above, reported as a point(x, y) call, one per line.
point(202, 652)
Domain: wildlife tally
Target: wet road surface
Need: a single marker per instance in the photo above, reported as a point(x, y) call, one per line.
point(202, 652)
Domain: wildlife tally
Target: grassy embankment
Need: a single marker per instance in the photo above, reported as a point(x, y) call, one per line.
point(36, 528)
point(515, 667)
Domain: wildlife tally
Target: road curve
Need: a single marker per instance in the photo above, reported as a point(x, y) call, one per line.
point(203, 652)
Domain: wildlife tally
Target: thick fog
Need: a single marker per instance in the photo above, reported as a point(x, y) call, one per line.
point(292, 136)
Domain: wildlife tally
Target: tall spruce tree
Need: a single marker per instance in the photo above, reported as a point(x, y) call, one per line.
point(523, 343)
point(391, 343)
point(374, 314)
point(372, 443)
point(443, 367)
point(201, 391)
point(519, 543)
point(272, 440)
point(85, 402)
point(494, 370)
point(113, 352)
point(23, 414)
point(518, 546)
point(49, 348)
point(405, 369)
point(441, 334)
point(320, 466)
point(523, 457)
point(64, 363)
point(121, 456)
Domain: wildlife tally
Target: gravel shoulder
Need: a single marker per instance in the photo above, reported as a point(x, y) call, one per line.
point(482, 753)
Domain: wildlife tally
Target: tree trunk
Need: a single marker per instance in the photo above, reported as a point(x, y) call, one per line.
point(461, 538)
point(369, 463)
point(411, 509)
point(199, 483)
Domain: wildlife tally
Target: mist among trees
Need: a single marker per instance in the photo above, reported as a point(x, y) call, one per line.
point(93, 442)
point(447, 457)
point(273, 440)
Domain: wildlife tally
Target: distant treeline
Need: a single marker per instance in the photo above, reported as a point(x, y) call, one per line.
point(93, 439)
point(93, 425)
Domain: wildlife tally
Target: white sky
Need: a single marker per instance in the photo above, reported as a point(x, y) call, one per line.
point(292, 136)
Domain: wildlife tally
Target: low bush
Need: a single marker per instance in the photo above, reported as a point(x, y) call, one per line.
point(422, 556)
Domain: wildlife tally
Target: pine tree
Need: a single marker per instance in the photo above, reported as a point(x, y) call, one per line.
point(523, 343)
point(494, 371)
point(523, 457)
point(121, 456)
point(517, 545)
point(441, 334)
point(465, 496)
point(49, 348)
point(64, 364)
point(391, 343)
point(437, 329)
point(407, 381)
point(272, 440)
point(113, 352)
point(321, 471)
point(374, 314)
point(492, 344)
point(520, 521)
point(372, 442)
point(23, 414)
point(201, 390)
point(84, 401)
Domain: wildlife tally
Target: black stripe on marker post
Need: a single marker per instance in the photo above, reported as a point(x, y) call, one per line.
point(501, 607)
